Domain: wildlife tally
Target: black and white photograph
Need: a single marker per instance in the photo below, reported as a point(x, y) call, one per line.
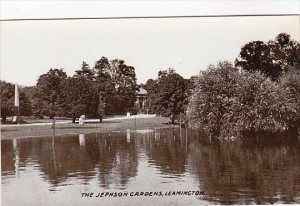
point(150, 103)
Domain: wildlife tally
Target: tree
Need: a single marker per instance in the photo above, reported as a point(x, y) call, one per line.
point(85, 71)
point(212, 90)
point(116, 82)
point(79, 97)
point(260, 105)
point(168, 94)
point(49, 88)
point(35, 100)
point(25, 104)
point(226, 101)
point(290, 84)
point(272, 58)
point(103, 83)
point(7, 100)
point(103, 76)
point(7, 96)
point(124, 81)
point(152, 101)
point(101, 106)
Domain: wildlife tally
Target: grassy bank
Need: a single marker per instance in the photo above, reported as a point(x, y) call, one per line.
point(69, 128)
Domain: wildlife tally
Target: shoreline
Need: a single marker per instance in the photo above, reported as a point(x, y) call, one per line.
point(67, 121)
point(91, 126)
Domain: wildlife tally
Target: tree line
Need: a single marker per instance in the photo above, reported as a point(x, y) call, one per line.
point(108, 88)
point(260, 91)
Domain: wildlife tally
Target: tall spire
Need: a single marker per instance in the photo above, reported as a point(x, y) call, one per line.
point(17, 117)
point(17, 103)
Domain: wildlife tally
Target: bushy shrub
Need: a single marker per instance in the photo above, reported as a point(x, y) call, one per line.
point(212, 93)
point(260, 105)
point(290, 84)
point(226, 101)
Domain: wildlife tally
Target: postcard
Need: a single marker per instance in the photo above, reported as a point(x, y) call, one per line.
point(150, 110)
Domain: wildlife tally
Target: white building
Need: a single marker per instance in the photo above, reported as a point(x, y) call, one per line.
point(141, 99)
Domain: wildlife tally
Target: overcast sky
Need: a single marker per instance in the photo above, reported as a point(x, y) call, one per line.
point(31, 48)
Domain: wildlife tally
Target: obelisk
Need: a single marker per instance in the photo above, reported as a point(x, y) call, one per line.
point(17, 117)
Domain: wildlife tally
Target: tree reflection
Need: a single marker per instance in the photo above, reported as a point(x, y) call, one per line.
point(109, 156)
point(118, 160)
point(15, 154)
point(252, 170)
point(167, 149)
point(62, 157)
point(7, 157)
point(249, 171)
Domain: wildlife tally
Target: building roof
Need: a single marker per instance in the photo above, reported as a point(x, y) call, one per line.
point(142, 91)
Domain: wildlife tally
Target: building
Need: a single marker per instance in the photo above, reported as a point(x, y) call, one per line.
point(141, 99)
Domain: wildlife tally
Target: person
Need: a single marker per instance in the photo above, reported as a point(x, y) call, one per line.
point(81, 120)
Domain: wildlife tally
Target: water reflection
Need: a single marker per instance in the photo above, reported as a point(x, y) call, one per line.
point(257, 171)
point(82, 140)
point(168, 152)
point(253, 170)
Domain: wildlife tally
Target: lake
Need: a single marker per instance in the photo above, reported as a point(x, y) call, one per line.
point(149, 167)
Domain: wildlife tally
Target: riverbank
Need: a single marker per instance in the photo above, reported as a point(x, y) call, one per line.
point(91, 126)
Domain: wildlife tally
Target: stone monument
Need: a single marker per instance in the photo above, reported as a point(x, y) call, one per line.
point(17, 117)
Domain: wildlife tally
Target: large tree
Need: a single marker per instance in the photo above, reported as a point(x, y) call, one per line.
point(85, 71)
point(290, 84)
point(35, 100)
point(7, 100)
point(213, 88)
point(104, 84)
point(152, 101)
point(168, 94)
point(124, 81)
point(116, 82)
point(49, 89)
point(25, 103)
point(79, 97)
point(226, 101)
point(272, 58)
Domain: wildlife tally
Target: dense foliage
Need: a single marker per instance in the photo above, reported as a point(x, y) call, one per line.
point(79, 101)
point(168, 94)
point(7, 101)
point(272, 58)
point(107, 88)
point(290, 82)
point(49, 92)
point(226, 101)
point(261, 92)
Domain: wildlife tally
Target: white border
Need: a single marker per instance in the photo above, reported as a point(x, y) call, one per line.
point(99, 9)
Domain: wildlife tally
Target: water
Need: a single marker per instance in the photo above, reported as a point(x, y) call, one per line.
point(57, 170)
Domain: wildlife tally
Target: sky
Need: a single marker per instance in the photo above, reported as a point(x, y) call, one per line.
point(30, 48)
